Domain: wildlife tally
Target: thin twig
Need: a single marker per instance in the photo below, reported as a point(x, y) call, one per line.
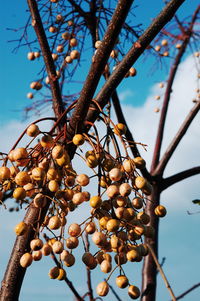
point(114, 292)
point(128, 134)
point(177, 138)
point(170, 81)
point(66, 279)
point(168, 286)
point(188, 291)
point(162, 263)
point(37, 24)
point(89, 281)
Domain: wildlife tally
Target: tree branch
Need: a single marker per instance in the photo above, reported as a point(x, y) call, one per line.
point(168, 286)
point(173, 145)
point(66, 279)
point(167, 182)
point(173, 71)
point(188, 291)
point(89, 282)
point(149, 271)
point(97, 67)
point(134, 53)
point(128, 134)
point(77, 8)
point(14, 275)
point(114, 292)
point(58, 105)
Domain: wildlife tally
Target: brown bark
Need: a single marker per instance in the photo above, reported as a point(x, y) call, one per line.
point(97, 67)
point(149, 271)
point(13, 278)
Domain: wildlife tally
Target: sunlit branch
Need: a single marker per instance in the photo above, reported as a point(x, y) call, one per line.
point(98, 65)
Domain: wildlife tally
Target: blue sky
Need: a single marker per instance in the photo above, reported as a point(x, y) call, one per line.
point(179, 232)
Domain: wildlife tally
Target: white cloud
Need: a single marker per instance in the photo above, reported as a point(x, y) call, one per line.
point(125, 94)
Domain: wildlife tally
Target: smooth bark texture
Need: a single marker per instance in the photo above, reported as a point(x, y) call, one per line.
point(98, 65)
point(149, 271)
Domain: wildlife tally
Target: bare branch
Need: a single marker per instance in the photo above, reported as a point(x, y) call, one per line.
point(58, 106)
point(97, 67)
point(168, 286)
point(128, 134)
point(173, 145)
point(149, 271)
point(77, 8)
point(134, 53)
point(66, 279)
point(167, 182)
point(188, 291)
point(89, 282)
point(173, 71)
point(14, 274)
point(114, 292)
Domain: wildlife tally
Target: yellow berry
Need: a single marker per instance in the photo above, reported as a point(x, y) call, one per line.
point(120, 129)
point(19, 193)
point(121, 281)
point(4, 173)
point(22, 178)
point(62, 274)
point(54, 272)
point(133, 292)
point(160, 211)
point(26, 260)
point(21, 228)
point(95, 201)
point(32, 130)
point(78, 139)
point(102, 289)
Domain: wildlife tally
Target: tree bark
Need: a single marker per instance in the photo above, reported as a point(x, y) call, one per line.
point(14, 275)
point(149, 272)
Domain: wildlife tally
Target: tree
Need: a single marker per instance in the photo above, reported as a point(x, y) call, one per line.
point(72, 126)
